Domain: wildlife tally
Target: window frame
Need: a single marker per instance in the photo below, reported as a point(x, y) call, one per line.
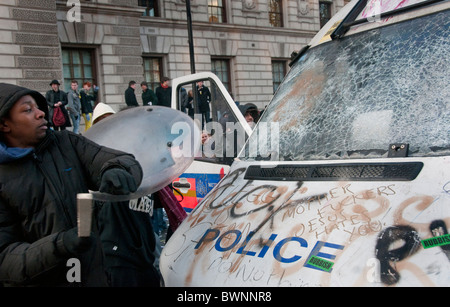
point(280, 63)
point(323, 20)
point(228, 85)
point(146, 4)
point(275, 17)
point(221, 11)
point(79, 49)
point(153, 84)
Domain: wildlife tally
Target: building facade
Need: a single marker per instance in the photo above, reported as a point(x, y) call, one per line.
point(247, 43)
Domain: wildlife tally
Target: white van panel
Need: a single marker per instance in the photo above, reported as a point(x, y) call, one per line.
point(358, 226)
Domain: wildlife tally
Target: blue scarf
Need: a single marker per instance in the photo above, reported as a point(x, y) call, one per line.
point(9, 154)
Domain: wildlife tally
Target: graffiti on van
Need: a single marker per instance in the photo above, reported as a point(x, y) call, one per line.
point(287, 224)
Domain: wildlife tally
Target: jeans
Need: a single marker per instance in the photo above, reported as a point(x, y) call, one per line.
point(75, 122)
point(158, 222)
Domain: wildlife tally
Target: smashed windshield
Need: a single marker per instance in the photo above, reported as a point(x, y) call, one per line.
point(354, 97)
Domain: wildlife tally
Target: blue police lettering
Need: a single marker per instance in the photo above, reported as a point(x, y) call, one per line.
point(234, 237)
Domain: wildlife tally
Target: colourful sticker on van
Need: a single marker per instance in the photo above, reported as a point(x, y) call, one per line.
point(193, 188)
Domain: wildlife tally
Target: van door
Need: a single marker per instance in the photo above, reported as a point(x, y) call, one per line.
point(224, 132)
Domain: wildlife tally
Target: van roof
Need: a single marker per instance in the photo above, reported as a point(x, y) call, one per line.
point(363, 15)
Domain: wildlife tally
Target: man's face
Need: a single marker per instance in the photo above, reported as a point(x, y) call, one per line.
point(55, 87)
point(25, 126)
point(74, 86)
point(248, 117)
point(144, 87)
point(204, 137)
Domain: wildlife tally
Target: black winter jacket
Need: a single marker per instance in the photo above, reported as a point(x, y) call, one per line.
point(38, 202)
point(130, 97)
point(53, 97)
point(164, 96)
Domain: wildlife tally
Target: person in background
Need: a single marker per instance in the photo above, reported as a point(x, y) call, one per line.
point(101, 111)
point(251, 113)
point(130, 96)
point(57, 99)
point(184, 100)
point(87, 102)
point(208, 146)
point(164, 93)
point(41, 173)
point(190, 104)
point(74, 105)
point(130, 246)
point(204, 98)
point(148, 96)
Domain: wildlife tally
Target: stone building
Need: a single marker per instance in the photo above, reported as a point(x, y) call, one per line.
point(247, 43)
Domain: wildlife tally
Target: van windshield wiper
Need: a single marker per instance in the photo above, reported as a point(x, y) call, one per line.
point(350, 19)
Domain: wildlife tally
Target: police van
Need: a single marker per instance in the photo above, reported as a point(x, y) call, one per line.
point(345, 180)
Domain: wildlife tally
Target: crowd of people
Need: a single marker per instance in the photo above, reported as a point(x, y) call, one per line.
point(43, 166)
point(162, 96)
point(67, 109)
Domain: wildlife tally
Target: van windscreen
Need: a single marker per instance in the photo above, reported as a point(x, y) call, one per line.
point(354, 97)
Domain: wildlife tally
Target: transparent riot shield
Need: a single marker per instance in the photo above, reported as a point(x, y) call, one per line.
point(163, 140)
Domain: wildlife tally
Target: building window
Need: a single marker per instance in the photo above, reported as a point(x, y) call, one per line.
point(216, 11)
point(221, 68)
point(151, 7)
point(275, 13)
point(278, 73)
point(152, 71)
point(325, 12)
point(78, 64)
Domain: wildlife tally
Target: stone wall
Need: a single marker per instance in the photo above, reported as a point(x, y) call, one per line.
point(32, 33)
point(29, 44)
point(112, 28)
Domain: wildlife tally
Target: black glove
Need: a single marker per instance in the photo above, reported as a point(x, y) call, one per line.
point(117, 181)
point(73, 244)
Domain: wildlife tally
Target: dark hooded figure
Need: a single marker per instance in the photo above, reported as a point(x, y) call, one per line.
point(41, 173)
point(251, 113)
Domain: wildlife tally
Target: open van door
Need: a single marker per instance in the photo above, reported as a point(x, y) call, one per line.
point(223, 134)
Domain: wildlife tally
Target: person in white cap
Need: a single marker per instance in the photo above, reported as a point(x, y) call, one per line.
point(131, 248)
point(101, 111)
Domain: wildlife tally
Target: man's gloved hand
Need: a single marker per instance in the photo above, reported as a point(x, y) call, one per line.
point(117, 181)
point(73, 244)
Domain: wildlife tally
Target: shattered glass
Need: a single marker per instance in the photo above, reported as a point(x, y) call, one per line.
point(353, 97)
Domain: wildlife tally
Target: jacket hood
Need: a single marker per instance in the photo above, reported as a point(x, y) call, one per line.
point(252, 108)
point(9, 154)
point(101, 109)
point(10, 93)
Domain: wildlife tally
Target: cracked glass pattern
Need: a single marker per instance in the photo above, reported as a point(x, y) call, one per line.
point(353, 97)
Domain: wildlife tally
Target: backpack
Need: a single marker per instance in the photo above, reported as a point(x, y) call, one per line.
point(58, 117)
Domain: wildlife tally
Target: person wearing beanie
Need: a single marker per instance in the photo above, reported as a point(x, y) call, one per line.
point(250, 113)
point(41, 173)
